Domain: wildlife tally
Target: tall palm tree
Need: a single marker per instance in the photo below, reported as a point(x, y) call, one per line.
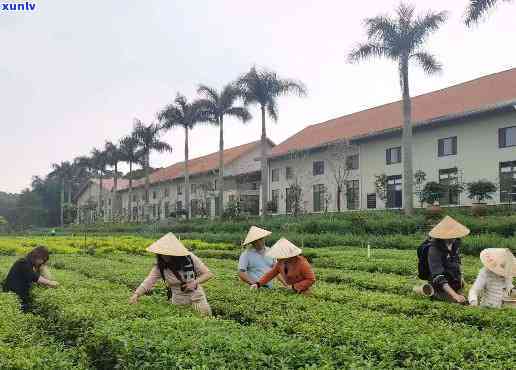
point(217, 105)
point(114, 157)
point(149, 140)
point(130, 153)
point(185, 115)
point(99, 163)
point(62, 172)
point(401, 39)
point(478, 8)
point(264, 87)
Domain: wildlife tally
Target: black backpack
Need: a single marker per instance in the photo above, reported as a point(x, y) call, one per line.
point(423, 268)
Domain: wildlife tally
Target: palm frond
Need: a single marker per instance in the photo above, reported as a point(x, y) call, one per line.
point(428, 62)
point(477, 9)
point(425, 26)
point(272, 110)
point(208, 92)
point(367, 50)
point(239, 112)
point(381, 28)
point(288, 86)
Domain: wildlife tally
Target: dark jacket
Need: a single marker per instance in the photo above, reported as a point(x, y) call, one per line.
point(20, 279)
point(445, 265)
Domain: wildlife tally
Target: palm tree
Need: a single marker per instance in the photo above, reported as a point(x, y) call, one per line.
point(130, 153)
point(99, 163)
point(217, 105)
point(63, 172)
point(478, 8)
point(113, 158)
point(401, 39)
point(263, 87)
point(149, 140)
point(186, 115)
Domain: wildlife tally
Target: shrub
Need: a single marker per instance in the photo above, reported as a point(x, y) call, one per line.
point(481, 190)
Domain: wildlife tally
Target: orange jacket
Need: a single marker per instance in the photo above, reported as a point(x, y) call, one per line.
point(297, 272)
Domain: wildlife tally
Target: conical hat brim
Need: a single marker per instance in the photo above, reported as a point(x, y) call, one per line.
point(284, 249)
point(448, 228)
point(495, 260)
point(254, 234)
point(168, 245)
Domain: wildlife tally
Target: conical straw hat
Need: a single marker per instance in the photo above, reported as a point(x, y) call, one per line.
point(284, 249)
point(499, 260)
point(448, 228)
point(168, 245)
point(254, 234)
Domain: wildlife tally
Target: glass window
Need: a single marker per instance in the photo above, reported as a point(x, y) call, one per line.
point(353, 194)
point(319, 193)
point(318, 168)
point(447, 146)
point(394, 192)
point(289, 200)
point(179, 206)
point(193, 188)
point(179, 189)
point(154, 195)
point(508, 182)
point(167, 192)
point(393, 155)
point(507, 137)
point(289, 173)
point(275, 199)
point(167, 209)
point(134, 198)
point(275, 175)
point(352, 162)
point(449, 177)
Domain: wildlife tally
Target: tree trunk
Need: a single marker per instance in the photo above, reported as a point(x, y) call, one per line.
point(147, 186)
point(187, 179)
point(408, 198)
point(221, 166)
point(62, 202)
point(130, 203)
point(265, 177)
point(115, 188)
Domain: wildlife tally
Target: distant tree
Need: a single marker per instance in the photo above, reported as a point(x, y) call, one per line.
point(477, 9)
point(402, 39)
point(63, 172)
point(113, 158)
point(99, 162)
point(380, 185)
point(481, 190)
point(340, 166)
point(131, 154)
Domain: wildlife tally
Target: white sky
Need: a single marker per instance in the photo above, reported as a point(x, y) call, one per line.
point(75, 73)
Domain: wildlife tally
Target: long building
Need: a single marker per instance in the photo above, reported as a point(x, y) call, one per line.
point(463, 133)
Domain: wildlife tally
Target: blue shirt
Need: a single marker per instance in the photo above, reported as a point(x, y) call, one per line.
point(255, 264)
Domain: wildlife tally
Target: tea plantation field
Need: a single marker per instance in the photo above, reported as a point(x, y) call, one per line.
point(361, 314)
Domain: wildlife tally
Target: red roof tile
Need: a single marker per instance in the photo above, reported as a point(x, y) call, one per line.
point(466, 97)
point(197, 165)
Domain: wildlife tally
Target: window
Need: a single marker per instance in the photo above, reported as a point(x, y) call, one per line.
point(153, 210)
point(109, 201)
point(179, 206)
point(352, 162)
point(319, 196)
point(371, 200)
point(508, 182)
point(289, 173)
point(134, 198)
point(275, 200)
point(231, 198)
point(193, 188)
point(353, 194)
point(318, 168)
point(159, 211)
point(447, 146)
point(194, 203)
point(167, 192)
point(135, 213)
point(254, 186)
point(394, 192)
point(102, 203)
point(393, 155)
point(154, 195)
point(507, 137)
point(289, 200)
point(449, 177)
point(167, 209)
point(215, 184)
point(179, 189)
point(275, 175)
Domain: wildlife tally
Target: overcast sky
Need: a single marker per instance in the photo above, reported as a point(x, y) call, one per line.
point(75, 73)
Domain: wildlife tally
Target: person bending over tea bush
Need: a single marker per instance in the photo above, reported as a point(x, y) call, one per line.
point(182, 272)
point(27, 271)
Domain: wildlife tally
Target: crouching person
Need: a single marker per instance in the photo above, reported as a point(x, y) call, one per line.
point(444, 260)
point(27, 271)
point(182, 272)
point(493, 284)
point(294, 269)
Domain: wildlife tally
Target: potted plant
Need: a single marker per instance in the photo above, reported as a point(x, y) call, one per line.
point(431, 193)
point(480, 191)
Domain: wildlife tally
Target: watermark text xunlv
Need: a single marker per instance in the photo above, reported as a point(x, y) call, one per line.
point(17, 7)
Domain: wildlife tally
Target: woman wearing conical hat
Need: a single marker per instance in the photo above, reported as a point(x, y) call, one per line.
point(494, 281)
point(294, 268)
point(254, 262)
point(182, 272)
point(444, 260)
